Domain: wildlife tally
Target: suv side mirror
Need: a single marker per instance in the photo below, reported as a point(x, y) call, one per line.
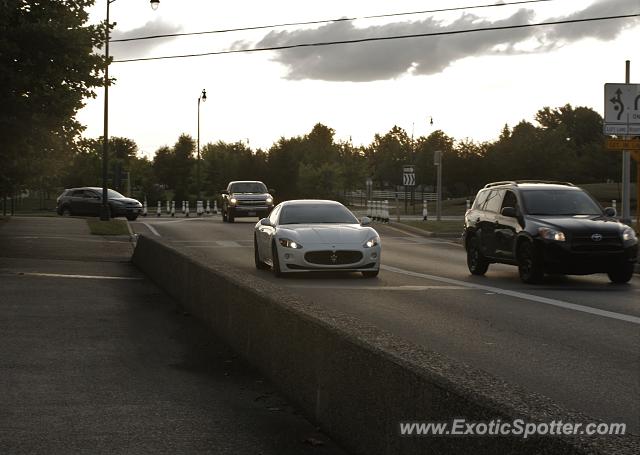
point(610, 212)
point(272, 192)
point(265, 222)
point(511, 212)
point(366, 221)
point(224, 192)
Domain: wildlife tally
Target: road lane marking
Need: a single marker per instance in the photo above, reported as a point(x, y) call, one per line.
point(61, 275)
point(221, 244)
point(57, 237)
point(518, 295)
point(382, 288)
point(151, 228)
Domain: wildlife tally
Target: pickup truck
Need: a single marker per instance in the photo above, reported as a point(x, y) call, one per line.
point(246, 198)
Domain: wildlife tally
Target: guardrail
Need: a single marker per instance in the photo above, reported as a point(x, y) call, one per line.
point(355, 381)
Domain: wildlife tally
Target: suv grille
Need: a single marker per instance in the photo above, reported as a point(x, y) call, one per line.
point(251, 202)
point(331, 258)
point(609, 243)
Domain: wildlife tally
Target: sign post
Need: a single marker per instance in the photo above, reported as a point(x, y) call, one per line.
point(408, 179)
point(437, 161)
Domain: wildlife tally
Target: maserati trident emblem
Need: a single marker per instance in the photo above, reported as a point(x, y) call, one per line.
point(333, 257)
point(596, 237)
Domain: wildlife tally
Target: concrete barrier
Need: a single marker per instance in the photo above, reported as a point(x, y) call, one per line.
point(355, 381)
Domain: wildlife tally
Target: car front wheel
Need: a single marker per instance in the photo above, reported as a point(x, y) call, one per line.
point(621, 274)
point(529, 264)
point(477, 263)
point(275, 261)
point(370, 273)
point(65, 211)
point(256, 256)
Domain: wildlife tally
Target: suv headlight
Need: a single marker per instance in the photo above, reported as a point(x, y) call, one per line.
point(269, 201)
point(551, 234)
point(289, 244)
point(629, 235)
point(233, 201)
point(373, 241)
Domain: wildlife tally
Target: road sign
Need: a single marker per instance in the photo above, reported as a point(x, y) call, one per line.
point(622, 109)
point(622, 144)
point(408, 175)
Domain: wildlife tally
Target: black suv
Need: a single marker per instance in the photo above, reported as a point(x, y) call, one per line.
point(246, 198)
point(547, 227)
point(88, 200)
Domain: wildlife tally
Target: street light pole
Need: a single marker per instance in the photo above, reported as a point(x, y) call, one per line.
point(104, 207)
point(203, 97)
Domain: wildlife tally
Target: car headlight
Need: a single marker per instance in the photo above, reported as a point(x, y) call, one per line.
point(373, 241)
point(290, 244)
point(233, 201)
point(629, 235)
point(551, 234)
point(269, 201)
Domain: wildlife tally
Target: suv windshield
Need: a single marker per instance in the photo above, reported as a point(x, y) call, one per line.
point(316, 214)
point(247, 187)
point(113, 194)
point(559, 202)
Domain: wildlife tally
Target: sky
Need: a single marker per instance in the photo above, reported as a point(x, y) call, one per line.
point(470, 84)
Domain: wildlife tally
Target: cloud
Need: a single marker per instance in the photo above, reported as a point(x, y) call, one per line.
point(381, 60)
point(135, 49)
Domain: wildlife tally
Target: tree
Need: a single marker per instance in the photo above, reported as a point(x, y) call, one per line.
point(47, 68)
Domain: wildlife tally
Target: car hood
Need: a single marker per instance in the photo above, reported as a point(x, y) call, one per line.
point(125, 200)
point(581, 224)
point(249, 196)
point(334, 234)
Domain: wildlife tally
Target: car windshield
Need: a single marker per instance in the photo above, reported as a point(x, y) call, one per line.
point(559, 202)
point(316, 214)
point(113, 194)
point(247, 187)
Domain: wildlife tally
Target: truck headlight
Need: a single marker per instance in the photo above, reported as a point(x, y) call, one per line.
point(233, 201)
point(269, 201)
point(290, 244)
point(629, 235)
point(551, 234)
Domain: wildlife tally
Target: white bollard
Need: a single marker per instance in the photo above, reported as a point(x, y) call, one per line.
point(215, 207)
point(425, 210)
point(168, 207)
point(186, 208)
point(144, 208)
point(369, 209)
point(613, 204)
point(385, 212)
point(468, 204)
point(159, 209)
point(199, 208)
point(208, 209)
point(173, 208)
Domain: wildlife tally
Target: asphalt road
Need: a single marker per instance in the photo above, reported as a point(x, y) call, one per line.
point(574, 339)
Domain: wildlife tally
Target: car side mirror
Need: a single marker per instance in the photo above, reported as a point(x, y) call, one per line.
point(224, 192)
point(610, 212)
point(511, 212)
point(265, 222)
point(272, 191)
point(366, 221)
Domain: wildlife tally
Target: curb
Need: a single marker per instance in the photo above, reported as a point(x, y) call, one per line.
point(423, 233)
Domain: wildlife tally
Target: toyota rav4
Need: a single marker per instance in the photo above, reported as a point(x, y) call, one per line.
point(547, 227)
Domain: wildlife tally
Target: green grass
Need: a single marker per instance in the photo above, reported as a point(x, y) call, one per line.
point(111, 227)
point(443, 226)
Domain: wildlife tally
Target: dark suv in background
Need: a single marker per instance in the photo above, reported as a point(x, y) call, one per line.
point(547, 227)
point(246, 198)
point(87, 201)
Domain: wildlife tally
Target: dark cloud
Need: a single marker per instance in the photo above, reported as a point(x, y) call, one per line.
point(381, 60)
point(134, 49)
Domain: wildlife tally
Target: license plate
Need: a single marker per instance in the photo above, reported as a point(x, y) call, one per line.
point(251, 213)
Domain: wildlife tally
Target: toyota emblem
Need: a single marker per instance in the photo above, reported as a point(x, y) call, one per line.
point(596, 237)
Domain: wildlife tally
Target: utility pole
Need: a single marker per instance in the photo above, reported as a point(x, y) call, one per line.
point(626, 164)
point(437, 161)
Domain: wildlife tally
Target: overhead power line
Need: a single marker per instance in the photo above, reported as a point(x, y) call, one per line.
point(324, 21)
point(381, 38)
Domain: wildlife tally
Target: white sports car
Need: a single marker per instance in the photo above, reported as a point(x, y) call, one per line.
point(312, 235)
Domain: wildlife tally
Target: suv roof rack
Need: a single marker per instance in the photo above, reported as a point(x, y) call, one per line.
point(516, 182)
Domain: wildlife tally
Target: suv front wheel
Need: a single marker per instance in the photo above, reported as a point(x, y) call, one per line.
point(621, 274)
point(477, 263)
point(529, 263)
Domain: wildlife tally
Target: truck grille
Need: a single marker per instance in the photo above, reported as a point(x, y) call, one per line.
point(333, 258)
point(251, 202)
point(608, 243)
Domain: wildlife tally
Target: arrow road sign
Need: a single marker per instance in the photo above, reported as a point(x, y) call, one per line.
point(622, 109)
point(408, 179)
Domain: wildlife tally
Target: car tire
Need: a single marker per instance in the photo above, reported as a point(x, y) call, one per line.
point(256, 256)
point(224, 215)
point(621, 274)
point(277, 271)
point(132, 217)
point(230, 217)
point(476, 262)
point(370, 273)
point(529, 263)
point(66, 211)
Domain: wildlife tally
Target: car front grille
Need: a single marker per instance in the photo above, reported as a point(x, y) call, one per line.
point(251, 202)
point(585, 243)
point(333, 258)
